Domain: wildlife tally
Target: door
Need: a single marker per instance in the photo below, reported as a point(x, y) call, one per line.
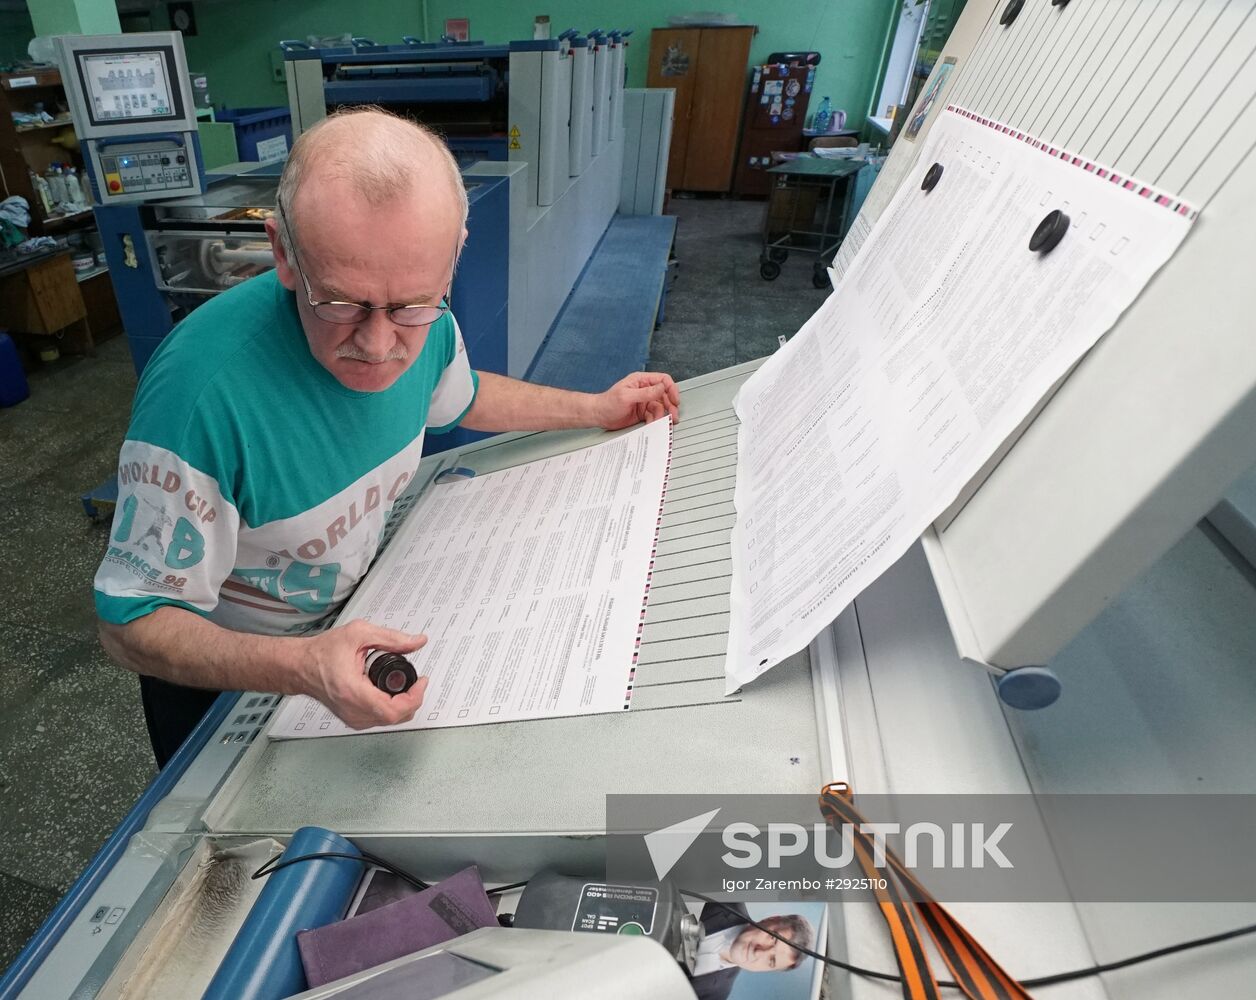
point(674, 63)
point(715, 111)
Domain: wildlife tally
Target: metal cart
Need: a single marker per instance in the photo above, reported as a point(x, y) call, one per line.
point(800, 214)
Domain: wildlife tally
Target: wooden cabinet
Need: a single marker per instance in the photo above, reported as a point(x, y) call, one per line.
point(707, 68)
point(43, 298)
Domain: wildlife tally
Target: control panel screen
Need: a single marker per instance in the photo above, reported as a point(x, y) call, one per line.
point(134, 86)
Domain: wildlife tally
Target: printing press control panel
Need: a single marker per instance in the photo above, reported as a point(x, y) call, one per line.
point(147, 169)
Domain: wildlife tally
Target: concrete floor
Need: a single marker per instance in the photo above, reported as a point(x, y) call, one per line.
point(74, 753)
point(719, 311)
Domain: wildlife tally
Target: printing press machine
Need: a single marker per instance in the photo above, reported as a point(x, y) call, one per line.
point(1087, 545)
point(556, 98)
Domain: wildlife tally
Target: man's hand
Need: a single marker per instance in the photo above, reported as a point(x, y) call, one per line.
point(338, 678)
point(639, 398)
point(506, 404)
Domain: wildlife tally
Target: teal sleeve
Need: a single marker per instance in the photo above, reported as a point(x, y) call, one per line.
point(123, 610)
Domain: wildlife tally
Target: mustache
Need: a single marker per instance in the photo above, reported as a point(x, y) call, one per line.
point(353, 353)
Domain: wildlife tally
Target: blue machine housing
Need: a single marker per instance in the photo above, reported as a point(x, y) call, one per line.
point(145, 314)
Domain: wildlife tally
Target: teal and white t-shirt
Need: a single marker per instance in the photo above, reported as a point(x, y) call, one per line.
point(253, 488)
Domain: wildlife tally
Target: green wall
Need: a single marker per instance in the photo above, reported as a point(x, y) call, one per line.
point(235, 37)
point(849, 34)
point(74, 17)
point(16, 33)
point(17, 30)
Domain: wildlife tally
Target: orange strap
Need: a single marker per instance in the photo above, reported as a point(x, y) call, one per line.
point(902, 901)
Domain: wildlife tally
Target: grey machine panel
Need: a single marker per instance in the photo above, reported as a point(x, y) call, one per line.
point(517, 795)
point(1155, 423)
point(136, 151)
point(1158, 698)
point(493, 963)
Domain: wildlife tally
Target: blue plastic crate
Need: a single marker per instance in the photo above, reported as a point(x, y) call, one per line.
point(13, 385)
point(258, 125)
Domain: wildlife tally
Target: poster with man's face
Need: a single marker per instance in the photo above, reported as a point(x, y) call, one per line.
point(737, 961)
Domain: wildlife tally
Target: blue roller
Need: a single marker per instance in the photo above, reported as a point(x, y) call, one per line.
point(263, 962)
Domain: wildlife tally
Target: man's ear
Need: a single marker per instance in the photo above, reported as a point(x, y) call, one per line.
point(283, 267)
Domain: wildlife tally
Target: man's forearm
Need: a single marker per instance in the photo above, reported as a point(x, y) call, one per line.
point(182, 647)
point(179, 646)
point(506, 404)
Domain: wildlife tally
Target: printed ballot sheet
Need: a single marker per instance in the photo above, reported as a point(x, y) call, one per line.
point(530, 584)
point(946, 331)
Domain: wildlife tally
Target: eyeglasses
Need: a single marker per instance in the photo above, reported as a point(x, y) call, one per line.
point(332, 311)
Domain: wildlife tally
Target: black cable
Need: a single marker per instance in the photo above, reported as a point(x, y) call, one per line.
point(506, 888)
point(278, 862)
point(1052, 980)
point(1065, 977)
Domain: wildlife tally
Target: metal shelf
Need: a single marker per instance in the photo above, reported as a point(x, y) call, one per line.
point(62, 123)
point(49, 220)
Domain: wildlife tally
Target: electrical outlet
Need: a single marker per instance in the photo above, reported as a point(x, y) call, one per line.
point(278, 66)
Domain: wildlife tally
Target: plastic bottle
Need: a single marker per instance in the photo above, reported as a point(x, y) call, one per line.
point(822, 117)
point(56, 184)
point(73, 193)
point(85, 185)
point(42, 192)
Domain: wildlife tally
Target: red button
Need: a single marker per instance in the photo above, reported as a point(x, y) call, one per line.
point(115, 186)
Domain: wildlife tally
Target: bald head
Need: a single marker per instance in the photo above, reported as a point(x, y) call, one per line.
point(375, 156)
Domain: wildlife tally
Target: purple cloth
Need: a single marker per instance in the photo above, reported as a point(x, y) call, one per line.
point(447, 910)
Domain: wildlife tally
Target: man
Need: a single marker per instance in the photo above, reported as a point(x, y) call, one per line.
point(731, 945)
point(280, 422)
